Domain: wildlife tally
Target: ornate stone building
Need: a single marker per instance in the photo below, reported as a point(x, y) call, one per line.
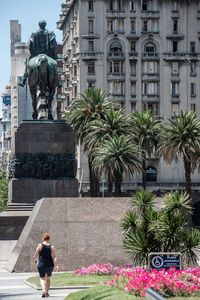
point(145, 52)
point(5, 131)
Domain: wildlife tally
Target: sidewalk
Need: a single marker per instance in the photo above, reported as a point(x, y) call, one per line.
point(12, 287)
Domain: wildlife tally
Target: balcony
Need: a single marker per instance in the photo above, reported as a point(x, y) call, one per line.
point(91, 36)
point(133, 36)
point(116, 55)
point(150, 56)
point(116, 76)
point(151, 98)
point(177, 56)
point(91, 55)
point(175, 36)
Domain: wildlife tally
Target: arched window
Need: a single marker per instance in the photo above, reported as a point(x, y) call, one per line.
point(150, 48)
point(116, 47)
point(151, 174)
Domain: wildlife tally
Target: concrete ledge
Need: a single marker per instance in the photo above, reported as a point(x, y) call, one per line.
point(84, 231)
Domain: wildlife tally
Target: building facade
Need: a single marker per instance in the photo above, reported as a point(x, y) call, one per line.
point(145, 52)
point(21, 106)
point(5, 128)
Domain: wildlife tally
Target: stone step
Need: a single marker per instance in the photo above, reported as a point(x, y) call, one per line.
point(19, 207)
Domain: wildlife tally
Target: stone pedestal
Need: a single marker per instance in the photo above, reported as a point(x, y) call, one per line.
point(42, 164)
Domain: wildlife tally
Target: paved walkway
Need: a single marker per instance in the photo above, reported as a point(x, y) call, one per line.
point(12, 287)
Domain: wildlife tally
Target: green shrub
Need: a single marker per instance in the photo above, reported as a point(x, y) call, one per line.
point(147, 229)
point(3, 190)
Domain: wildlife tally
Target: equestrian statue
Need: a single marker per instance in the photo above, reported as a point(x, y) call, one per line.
point(41, 69)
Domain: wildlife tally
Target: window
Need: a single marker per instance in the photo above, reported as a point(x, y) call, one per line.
point(116, 48)
point(119, 4)
point(75, 70)
point(90, 5)
point(150, 67)
point(133, 46)
point(193, 68)
point(133, 88)
point(133, 67)
point(68, 100)
point(91, 67)
point(116, 67)
point(111, 4)
point(175, 5)
point(155, 5)
point(90, 26)
point(120, 25)
point(192, 47)
point(151, 174)
point(133, 106)
point(174, 88)
point(132, 25)
point(155, 25)
point(74, 92)
point(91, 46)
point(175, 109)
point(175, 68)
point(117, 88)
point(144, 26)
point(152, 106)
point(144, 5)
point(91, 84)
point(150, 48)
point(193, 107)
point(132, 5)
point(150, 88)
point(110, 25)
point(175, 46)
point(193, 90)
point(175, 26)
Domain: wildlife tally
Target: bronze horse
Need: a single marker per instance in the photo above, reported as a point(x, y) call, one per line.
point(42, 80)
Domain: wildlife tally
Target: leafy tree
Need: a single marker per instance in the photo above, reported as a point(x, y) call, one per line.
point(3, 190)
point(180, 138)
point(147, 229)
point(117, 156)
point(91, 105)
point(145, 128)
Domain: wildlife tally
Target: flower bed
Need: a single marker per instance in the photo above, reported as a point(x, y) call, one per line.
point(136, 280)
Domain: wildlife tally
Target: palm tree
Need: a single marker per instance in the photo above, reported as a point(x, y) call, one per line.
point(117, 156)
point(113, 123)
point(145, 128)
point(91, 105)
point(180, 138)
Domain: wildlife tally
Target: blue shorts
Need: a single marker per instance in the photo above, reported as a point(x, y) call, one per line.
point(44, 271)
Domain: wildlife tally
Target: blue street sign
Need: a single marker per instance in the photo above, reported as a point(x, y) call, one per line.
point(164, 260)
point(7, 100)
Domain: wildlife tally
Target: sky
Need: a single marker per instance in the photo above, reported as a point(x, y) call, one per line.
point(28, 13)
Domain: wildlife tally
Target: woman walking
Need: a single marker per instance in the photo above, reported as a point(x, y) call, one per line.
point(45, 258)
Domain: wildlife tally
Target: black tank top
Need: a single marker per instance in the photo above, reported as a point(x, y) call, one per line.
point(45, 258)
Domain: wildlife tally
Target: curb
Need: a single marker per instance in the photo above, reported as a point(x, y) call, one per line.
point(59, 287)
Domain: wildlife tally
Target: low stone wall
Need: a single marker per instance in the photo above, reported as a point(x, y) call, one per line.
point(84, 231)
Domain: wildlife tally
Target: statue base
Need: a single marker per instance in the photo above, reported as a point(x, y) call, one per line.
point(42, 165)
point(30, 190)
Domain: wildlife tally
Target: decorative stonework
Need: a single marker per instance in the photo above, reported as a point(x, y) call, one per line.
point(43, 166)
